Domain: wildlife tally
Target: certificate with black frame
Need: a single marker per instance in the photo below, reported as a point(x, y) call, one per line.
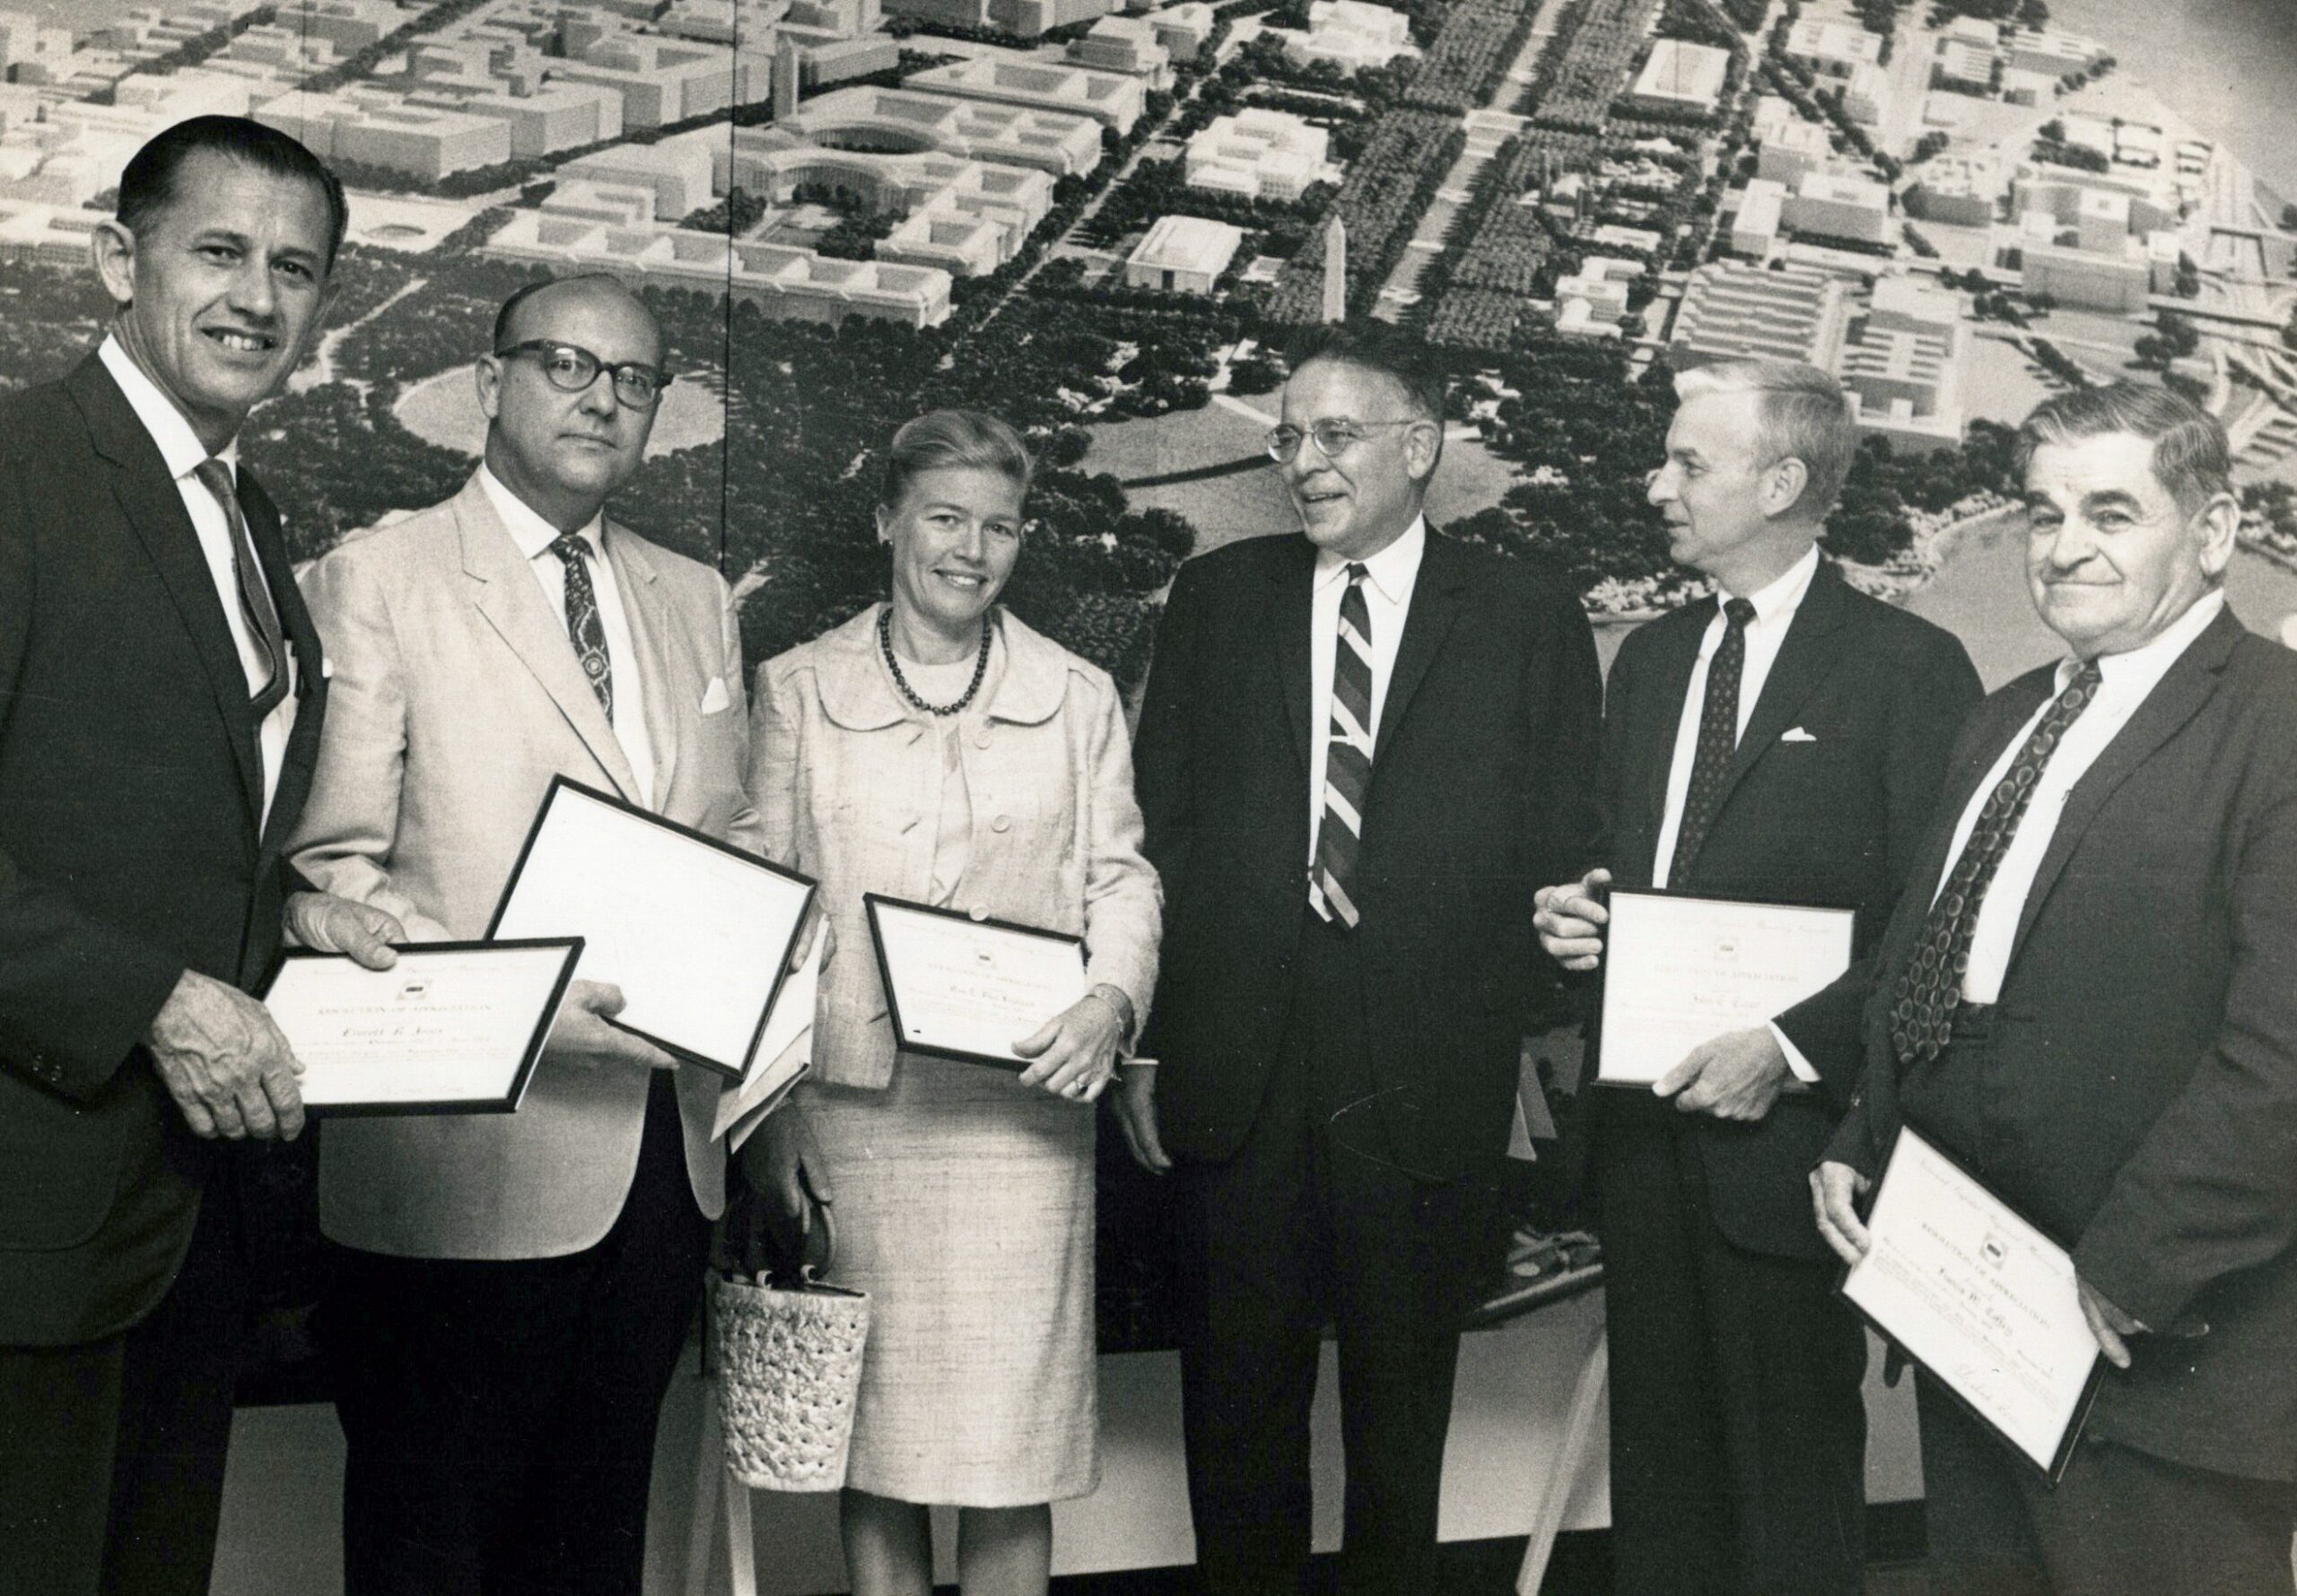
point(695, 932)
point(1981, 1298)
point(451, 1028)
point(968, 988)
point(1682, 968)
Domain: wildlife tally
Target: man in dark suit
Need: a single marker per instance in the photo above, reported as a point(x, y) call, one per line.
point(160, 695)
point(1361, 751)
point(1782, 740)
point(2089, 995)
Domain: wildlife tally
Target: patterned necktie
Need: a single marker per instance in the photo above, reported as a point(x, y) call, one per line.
point(255, 607)
point(582, 622)
point(1348, 760)
point(1719, 739)
point(1922, 1017)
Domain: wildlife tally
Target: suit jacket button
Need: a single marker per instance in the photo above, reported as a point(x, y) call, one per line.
point(978, 912)
point(981, 738)
point(1003, 823)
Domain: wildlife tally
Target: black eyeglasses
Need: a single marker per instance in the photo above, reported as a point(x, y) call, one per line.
point(1331, 437)
point(571, 369)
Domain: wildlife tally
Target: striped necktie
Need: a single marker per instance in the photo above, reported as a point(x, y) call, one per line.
point(1348, 760)
point(1922, 1013)
point(255, 607)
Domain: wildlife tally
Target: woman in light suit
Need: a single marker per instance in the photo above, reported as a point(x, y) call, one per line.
point(935, 748)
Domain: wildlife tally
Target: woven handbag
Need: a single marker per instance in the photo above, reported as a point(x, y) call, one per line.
point(790, 1366)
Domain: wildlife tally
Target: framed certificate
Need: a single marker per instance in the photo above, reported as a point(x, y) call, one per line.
point(453, 1028)
point(695, 932)
point(1680, 970)
point(966, 989)
point(1981, 1299)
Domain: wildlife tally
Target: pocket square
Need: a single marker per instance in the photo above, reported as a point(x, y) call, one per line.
point(713, 697)
point(1796, 734)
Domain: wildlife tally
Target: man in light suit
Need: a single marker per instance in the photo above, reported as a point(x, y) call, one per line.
point(1782, 740)
point(2089, 995)
point(510, 1291)
point(161, 698)
point(1363, 748)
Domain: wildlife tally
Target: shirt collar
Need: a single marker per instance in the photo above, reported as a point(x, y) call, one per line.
point(180, 449)
point(1392, 571)
point(2141, 669)
point(1776, 600)
point(532, 534)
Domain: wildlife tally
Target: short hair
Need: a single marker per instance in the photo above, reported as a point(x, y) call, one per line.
point(960, 439)
point(1380, 349)
point(2191, 456)
point(1800, 413)
point(509, 313)
point(147, 184)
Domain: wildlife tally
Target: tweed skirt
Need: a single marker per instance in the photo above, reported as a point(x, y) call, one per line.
point(963, 1205)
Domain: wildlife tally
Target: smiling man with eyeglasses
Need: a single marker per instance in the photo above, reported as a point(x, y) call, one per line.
point(509, 1291)
point(1360, 746)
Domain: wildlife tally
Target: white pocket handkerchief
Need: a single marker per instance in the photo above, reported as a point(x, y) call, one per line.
point(1796, 734)
point(713, 697)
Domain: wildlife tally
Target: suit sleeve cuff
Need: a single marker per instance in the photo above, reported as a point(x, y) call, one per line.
point(1795, 1061)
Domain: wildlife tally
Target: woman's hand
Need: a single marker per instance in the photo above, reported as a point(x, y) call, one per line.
point(1075, 1051)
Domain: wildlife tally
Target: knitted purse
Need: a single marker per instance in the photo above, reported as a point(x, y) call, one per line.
point(789, 1363)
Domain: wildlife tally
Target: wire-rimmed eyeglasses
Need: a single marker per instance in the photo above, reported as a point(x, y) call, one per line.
point(571, 369)
point(1331, 437)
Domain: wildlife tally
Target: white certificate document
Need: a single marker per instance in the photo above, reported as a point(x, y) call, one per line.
point(1679, 971)
point(966, 989)
point(695, 933)
point(1980, 1298)
point(453, 1027)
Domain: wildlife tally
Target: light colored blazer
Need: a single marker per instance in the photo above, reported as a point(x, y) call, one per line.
point(843, 774)
point(454, 697)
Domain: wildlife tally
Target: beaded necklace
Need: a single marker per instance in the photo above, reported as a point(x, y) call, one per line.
point(885, 646)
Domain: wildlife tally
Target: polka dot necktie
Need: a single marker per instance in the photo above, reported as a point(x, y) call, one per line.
point(1922, 1015)
point(1348, 760)
point(583, 624)
point(1718, 740)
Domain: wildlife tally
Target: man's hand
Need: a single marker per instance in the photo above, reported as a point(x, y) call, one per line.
point(1736, 1076)
point(1570, 920)
point(784, 1162)
point(226, 1063)
point(2108, 1323)
point(1835, 1190)
point(329, 924)
point(1075, 1051)
point(583, 1036)
point(1136, 1115)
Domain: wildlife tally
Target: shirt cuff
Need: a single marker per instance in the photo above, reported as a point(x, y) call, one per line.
point(1795, 1061)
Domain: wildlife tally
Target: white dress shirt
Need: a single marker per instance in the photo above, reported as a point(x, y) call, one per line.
point(181, 451)
point(1775, 603)
point(2125, 682)
point(534, 535)
point(1389, 577)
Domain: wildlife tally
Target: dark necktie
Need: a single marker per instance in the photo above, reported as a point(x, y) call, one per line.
point(255, 607)
point(1348, 760)
point(1922, 1016)
point(583, 624)
point(1718, 740)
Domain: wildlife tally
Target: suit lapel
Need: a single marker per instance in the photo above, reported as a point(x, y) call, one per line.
point(1435, 604)
point(1813, 642)
point(506, 593)
point(153, 509)
point(2174, 701)
point(1291, 586)
point(652, 633)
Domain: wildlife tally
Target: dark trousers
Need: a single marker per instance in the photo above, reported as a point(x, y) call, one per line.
point(111, 1452)
point(2119, 1521)
point(1738, 1432)
point(1313, 1219)
point(500, 1416)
